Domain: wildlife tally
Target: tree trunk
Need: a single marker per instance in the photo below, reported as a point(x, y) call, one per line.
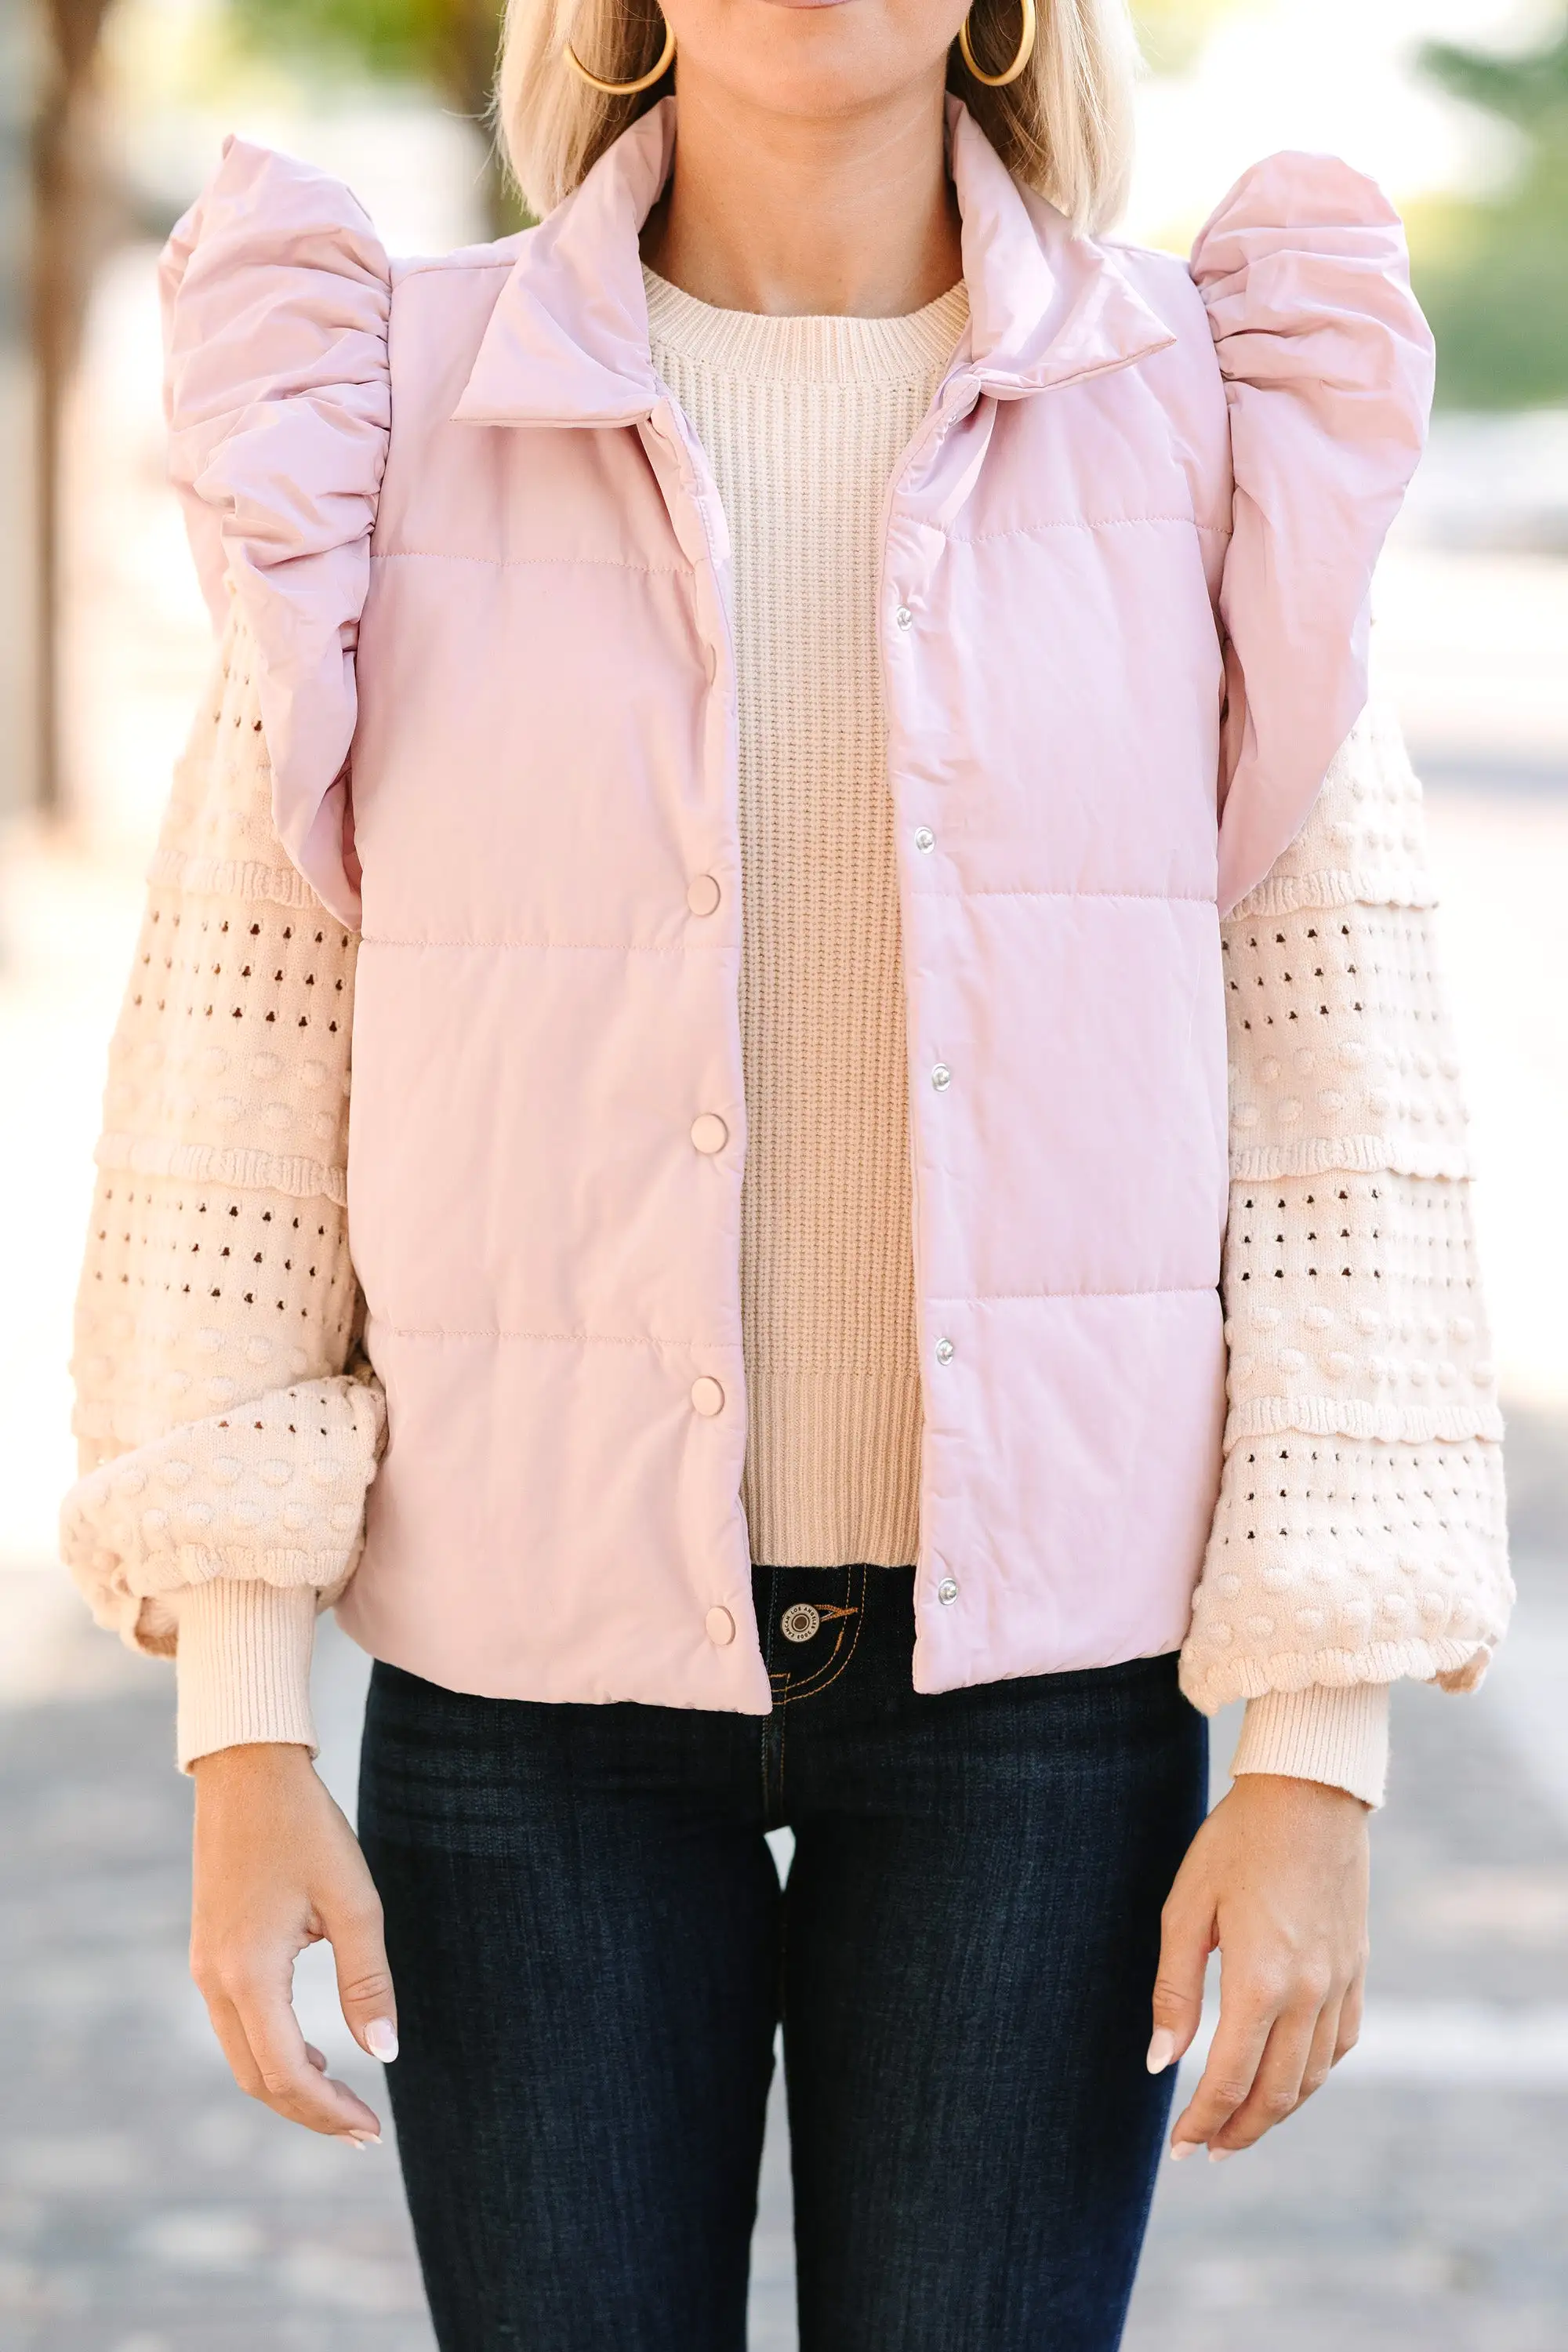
point(66, 227)
point(471, 38)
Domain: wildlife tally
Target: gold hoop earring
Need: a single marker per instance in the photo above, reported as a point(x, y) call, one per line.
point(643, 82)
point(1025, 51)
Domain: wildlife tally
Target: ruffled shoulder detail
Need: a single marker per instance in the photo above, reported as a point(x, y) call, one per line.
point(1328, 369)
point(277, 294)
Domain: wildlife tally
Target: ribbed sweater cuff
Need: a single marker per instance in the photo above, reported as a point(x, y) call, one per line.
point(1337, 1735)
point(833, 1468)
point(243, 1665)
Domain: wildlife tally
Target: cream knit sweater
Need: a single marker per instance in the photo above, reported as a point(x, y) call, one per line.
point(229, 1433)
point(802, 421)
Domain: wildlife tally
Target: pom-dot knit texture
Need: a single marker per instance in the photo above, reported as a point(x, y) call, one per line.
point(1354, 1310)
point(802, 421)
point(1360, 1532)
point(217, 1272)
point(274, 1489)
point(218, 1260)
point(212, 1288)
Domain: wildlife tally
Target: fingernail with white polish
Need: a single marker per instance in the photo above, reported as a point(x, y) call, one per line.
point(366, 2138)
point(381, 2038)
point(1184, 2147)
point(1161, 2050)
point(351, 2139)
point(1218, 2155)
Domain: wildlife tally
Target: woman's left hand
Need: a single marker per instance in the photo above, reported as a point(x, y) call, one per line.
point(1276, 1880)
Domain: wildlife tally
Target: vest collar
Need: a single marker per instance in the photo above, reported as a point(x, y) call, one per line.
point(567, 342)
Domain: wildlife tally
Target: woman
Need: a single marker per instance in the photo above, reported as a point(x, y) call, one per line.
point(841, 663)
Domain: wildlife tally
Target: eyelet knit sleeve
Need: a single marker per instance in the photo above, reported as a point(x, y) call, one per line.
point(226, 1436)
point(226, 1442)
point(1359, 1536)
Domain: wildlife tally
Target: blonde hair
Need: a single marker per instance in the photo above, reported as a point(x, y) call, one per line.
point(1064, 128)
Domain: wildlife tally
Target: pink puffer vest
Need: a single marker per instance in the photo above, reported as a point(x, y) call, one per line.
point(1122, 612)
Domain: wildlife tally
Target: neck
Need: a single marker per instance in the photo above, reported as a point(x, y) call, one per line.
point(850, 217)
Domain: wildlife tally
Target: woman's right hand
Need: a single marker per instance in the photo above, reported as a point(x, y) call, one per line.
point(277, 1868)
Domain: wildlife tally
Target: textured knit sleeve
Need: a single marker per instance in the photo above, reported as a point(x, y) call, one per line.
point(227, 1439)
point(224, 1438)
point(1360, 1533)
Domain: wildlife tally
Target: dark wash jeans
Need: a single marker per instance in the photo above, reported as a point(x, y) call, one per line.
point(591, 1951)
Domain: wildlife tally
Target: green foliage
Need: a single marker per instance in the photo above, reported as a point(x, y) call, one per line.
point(448, 44)
point(400, 39)
point(1493, 276)
point(1528, 91)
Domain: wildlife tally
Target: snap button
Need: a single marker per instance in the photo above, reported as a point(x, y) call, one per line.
point(944, 1351)
point(799, 1623)
point(941, 1077)
point(925, 839)
point(720, 1627)
point(709, 1132)
point(904, 617)
point(702, 895)
point(707, 1397)
point(947, 1592)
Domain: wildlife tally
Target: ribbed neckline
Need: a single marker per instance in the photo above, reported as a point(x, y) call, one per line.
point(750, 344)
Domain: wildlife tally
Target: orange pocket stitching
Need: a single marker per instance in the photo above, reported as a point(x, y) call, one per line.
point(828, 1672)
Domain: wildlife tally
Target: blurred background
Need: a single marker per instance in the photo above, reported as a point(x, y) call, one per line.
point(144, 2205)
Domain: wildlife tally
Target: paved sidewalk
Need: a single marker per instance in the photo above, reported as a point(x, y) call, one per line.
point(146, 2207)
